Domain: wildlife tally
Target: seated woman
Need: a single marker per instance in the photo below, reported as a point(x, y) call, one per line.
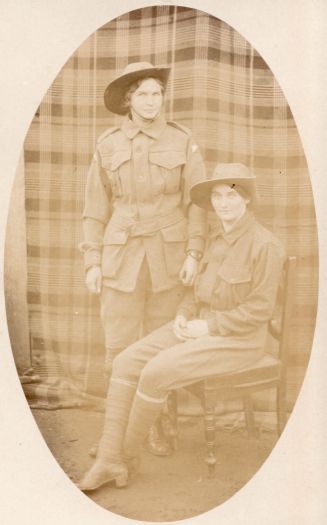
point(221, 325)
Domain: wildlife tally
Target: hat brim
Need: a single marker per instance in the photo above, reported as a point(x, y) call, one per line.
point(200, 193)
point(114, 94)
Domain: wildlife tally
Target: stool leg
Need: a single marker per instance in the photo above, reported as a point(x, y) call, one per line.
point(210, 429)
point(249, 416)
point(281, 408)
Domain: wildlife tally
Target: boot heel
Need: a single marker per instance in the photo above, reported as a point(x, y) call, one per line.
point(121, 481)
point(173, 442)
point(133, 464)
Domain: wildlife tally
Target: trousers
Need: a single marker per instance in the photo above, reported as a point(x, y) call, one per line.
point(127, 316)
point(160, 362)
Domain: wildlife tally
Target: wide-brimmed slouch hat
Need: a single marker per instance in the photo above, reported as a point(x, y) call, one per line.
point(114, 95)
point(230, 173)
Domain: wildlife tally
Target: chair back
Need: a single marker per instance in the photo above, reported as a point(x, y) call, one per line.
point(282, 333)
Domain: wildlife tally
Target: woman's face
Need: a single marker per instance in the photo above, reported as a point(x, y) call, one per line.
point(147, 99)
point(228, 204)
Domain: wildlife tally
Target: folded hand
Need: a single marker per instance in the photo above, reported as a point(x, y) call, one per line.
point(184, 329)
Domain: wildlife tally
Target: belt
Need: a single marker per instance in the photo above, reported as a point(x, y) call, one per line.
point(148, 226)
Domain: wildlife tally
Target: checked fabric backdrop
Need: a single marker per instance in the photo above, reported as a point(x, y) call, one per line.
point(226, 94)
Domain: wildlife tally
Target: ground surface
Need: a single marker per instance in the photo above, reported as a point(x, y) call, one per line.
point(166, 489)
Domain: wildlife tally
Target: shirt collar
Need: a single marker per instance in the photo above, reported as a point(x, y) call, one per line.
point(241, 226)
point(154, 130)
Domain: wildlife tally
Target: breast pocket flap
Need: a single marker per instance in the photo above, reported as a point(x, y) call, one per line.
point(113, 161)
point(167, 159)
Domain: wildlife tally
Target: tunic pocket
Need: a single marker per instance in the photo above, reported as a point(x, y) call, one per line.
point(174, 238)
point(113, 252)
point(234, 284)
point(166, 170)
point(114, 164)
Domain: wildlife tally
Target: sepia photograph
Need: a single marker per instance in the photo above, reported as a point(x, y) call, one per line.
point(161, 268)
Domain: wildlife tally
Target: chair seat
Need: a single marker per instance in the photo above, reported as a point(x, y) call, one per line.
point(264, 369)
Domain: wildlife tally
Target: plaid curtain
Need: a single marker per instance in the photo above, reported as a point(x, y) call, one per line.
point(220, 88)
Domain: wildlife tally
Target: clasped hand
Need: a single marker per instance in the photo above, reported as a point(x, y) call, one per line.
point(184, 329)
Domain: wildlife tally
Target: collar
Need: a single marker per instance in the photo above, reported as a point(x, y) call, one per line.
point(241, 226)
point(153, 130)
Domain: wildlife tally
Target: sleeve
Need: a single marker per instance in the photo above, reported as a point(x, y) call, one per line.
point(194, 172)
point(260, 302)
point(96, 214)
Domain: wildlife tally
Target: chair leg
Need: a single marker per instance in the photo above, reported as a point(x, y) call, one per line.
point(249, 416)
point(171, 428)
point(210, 430)
point(281, 408)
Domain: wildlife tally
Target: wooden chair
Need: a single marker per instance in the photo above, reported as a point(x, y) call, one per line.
point(268, 372)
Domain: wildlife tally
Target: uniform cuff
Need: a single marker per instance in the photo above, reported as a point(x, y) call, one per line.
point(197, 243)
point(186, 312)
point(89, 245)
point(92, 257)
point(217, 324)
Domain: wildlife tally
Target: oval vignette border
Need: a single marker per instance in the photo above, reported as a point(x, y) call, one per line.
point(303, 402)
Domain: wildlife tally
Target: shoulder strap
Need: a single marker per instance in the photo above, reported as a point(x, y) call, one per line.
point(106, 133)
point(179, 126)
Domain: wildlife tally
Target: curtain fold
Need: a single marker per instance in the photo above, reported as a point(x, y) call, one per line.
point(220, 88)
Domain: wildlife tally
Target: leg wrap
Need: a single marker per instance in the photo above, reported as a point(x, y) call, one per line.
point(111, 353)
point(118, 404)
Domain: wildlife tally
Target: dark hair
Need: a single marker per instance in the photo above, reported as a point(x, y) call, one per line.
point(241, 191)
point(133, 87)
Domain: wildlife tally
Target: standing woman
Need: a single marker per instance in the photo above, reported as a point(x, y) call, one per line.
point(143, 238)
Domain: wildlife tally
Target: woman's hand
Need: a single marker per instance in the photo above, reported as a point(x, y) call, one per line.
point(196, 328)
point(189, 271)
point(93, 279)
point(184, 329)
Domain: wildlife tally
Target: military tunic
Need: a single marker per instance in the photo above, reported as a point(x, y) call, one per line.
point(235, 291)
point(139, 221)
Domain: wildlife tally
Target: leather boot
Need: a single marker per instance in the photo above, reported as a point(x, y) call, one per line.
point(156, 442)
point(144, 412)
point(109, 464)
point(100, 474)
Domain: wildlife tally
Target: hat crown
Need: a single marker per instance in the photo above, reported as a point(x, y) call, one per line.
point(114, 95)
point(232, 171)
point(134, 67)
point(232, 174)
